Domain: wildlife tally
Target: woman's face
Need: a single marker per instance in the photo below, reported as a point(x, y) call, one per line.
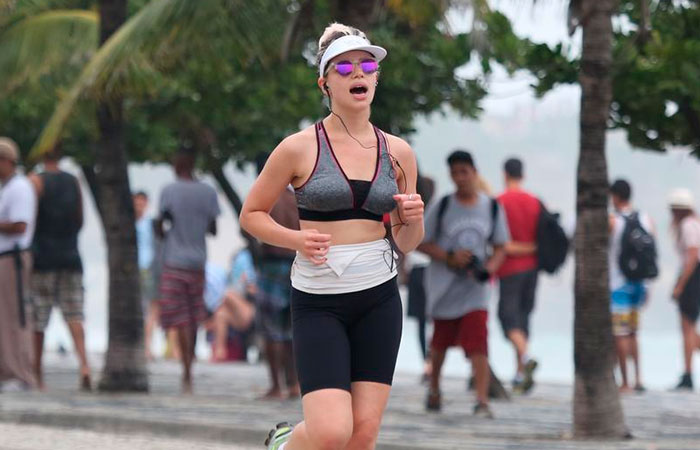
point(349, 85)
point(678, 214)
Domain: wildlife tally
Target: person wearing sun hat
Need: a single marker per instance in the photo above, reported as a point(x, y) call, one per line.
point(17, 219)
point(686, 291)
point(346, 309)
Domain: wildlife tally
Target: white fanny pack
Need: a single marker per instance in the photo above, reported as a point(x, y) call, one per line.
point(348, 268)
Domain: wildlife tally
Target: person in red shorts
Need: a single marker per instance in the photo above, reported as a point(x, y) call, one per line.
point(518, 274)
point(465, 235)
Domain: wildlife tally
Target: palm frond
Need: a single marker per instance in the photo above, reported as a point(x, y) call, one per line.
point(12, 11)
point(163, 32)
point(37, 45)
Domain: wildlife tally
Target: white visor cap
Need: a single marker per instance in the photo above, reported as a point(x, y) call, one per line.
point(681, 198)
point(347, 44)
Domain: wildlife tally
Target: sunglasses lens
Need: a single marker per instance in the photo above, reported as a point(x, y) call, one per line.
point(369, 66)
point(344, 68)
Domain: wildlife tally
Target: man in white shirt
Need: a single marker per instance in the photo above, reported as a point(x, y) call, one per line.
point(627, 296)
point(17, 219)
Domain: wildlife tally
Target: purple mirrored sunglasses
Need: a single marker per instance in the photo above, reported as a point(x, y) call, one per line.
point(345, 68)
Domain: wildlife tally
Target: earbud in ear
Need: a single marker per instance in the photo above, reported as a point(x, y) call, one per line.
point(325, 86)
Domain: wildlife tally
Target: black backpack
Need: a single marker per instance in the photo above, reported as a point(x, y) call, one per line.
point(441, 212)
point(552, 242)
point(637, 251)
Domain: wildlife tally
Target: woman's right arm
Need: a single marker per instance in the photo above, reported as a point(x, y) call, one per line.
point(278, 173)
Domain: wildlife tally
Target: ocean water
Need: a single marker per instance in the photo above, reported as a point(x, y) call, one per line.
point(660, 354)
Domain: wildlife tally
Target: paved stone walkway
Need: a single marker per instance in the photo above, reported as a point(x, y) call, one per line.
point(35, 437)
point(225, 409)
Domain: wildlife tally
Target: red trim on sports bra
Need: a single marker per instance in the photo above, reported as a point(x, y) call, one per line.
point(393, 163)
point(376, 172)
point(337, 163)
point(318, 157)
point(377, 167)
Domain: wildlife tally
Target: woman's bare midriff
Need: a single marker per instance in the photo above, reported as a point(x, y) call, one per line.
point(345, 232)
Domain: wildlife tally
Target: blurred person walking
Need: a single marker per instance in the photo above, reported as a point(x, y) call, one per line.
point(465, 236)
point(686, 291)
point(149, 266)
point(188, 210)
point(518, 274)
point(57, 279)
point(273, 302)
point(346, 309)
point(627, 291)
point(17, 221)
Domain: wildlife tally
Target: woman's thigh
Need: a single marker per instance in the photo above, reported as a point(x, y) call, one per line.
point(375, 338)
point(321, 351)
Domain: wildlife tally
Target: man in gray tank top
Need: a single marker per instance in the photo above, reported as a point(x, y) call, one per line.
point(57, 279)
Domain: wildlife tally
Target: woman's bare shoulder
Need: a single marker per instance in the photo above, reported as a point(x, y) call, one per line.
point(398, 147)
point(299, 143)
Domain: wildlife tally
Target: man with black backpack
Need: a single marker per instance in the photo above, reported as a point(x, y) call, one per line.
point(632, 260)
point(465, 234)
point(518, 274)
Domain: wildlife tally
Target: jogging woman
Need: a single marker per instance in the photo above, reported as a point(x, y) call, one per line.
point(346, 310)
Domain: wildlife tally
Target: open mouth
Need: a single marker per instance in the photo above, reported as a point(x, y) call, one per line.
point(358, 90)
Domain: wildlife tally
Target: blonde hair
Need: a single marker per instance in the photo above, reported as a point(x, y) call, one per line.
point(332, 32)
point(483, 185)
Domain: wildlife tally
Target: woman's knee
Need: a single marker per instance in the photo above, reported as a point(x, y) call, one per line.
point(330, 437)
point(365, 433)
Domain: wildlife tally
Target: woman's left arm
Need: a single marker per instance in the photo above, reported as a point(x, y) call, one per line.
point(407, 219)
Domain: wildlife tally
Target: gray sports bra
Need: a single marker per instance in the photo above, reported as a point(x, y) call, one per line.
point(329, 195)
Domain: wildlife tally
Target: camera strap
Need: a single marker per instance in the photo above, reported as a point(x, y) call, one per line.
point(442, 207)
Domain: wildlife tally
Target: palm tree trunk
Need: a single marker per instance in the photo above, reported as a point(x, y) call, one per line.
point(597, 409)
point(125, 363)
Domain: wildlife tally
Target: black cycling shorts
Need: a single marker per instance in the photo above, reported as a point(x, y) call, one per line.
point(517, 300)
point(343, 338)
